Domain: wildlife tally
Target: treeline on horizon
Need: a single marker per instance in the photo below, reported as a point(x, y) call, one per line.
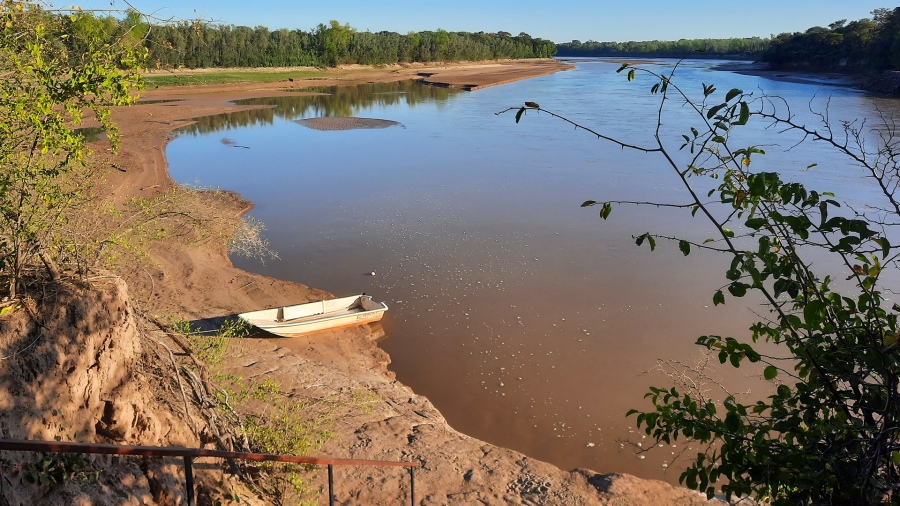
point(858, 46)
point(868, 44)
point(739, 48)
point(203, 45)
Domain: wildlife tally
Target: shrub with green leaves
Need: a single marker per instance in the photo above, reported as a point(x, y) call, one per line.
point(58, 468)
point(54, 74)
point(829, 433)
point(273, 419)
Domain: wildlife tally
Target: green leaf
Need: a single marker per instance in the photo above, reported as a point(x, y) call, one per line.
point(623, 67)
point(605, 210)
point(631, 75)
point(745, 114)
point(732, 422)
point(755, 223)
point(639, 240)
point(718, 298)
point(588, 203)
point(519, 114)
point(732, 93)
point(770, 372)
point(885, 246)
point(685, 247)
point(713, 110)
point(737, 289)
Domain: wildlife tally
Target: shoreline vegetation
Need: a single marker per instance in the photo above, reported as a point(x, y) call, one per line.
point(860, 46)
point(462, 75)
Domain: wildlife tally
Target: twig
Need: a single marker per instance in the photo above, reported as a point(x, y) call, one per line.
point(187, 410)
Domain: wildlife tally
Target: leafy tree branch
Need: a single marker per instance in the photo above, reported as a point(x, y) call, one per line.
point(830, 430)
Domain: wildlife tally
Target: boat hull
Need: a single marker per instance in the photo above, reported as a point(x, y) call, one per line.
point(304, 319)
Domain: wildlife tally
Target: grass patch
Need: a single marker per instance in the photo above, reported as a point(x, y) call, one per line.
point(272, 417)
point(233, 77)
point(228, 77)
point(256, 75)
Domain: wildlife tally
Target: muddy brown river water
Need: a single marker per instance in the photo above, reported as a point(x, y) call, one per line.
point(527, 320)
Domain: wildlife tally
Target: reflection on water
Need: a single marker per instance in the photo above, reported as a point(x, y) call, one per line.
point(527, 320)
point(90, 134)
point(322, 101)
point(228, 121)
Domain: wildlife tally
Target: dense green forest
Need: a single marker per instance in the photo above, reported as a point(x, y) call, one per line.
point(866, 44)
point(862, 45)
point(747, 48)
point(199, 45)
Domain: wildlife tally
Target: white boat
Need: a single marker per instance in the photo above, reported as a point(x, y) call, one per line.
point(302, 319)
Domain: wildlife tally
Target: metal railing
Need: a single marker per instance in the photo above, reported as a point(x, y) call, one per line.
point(188, 454)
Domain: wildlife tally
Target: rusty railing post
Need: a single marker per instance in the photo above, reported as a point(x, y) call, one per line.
point(189, 454)
point(330, 485)
point(189, 479)
point(412, 486)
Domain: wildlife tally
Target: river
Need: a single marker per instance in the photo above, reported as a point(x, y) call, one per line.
point(526, 319)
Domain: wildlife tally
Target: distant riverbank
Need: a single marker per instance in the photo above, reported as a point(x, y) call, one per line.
point(763, 70)
point(463, 75)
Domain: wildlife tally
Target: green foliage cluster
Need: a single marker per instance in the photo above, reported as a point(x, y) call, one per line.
point(57, 468)
point(829, 347)
point(277, 422)
point(54, 70)
point(734, 48)
point(203, 45)
point(210, 348)
point(272, 418)
point(828, 433)
point(865, 44)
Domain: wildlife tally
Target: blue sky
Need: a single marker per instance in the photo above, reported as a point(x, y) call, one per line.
point(559, 21)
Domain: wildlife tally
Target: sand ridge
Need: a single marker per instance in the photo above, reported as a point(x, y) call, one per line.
point(345, 123)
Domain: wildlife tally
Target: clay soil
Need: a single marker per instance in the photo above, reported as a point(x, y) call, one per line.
point(198, 282)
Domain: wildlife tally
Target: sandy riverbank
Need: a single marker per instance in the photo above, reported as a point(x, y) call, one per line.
point(199, 282)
